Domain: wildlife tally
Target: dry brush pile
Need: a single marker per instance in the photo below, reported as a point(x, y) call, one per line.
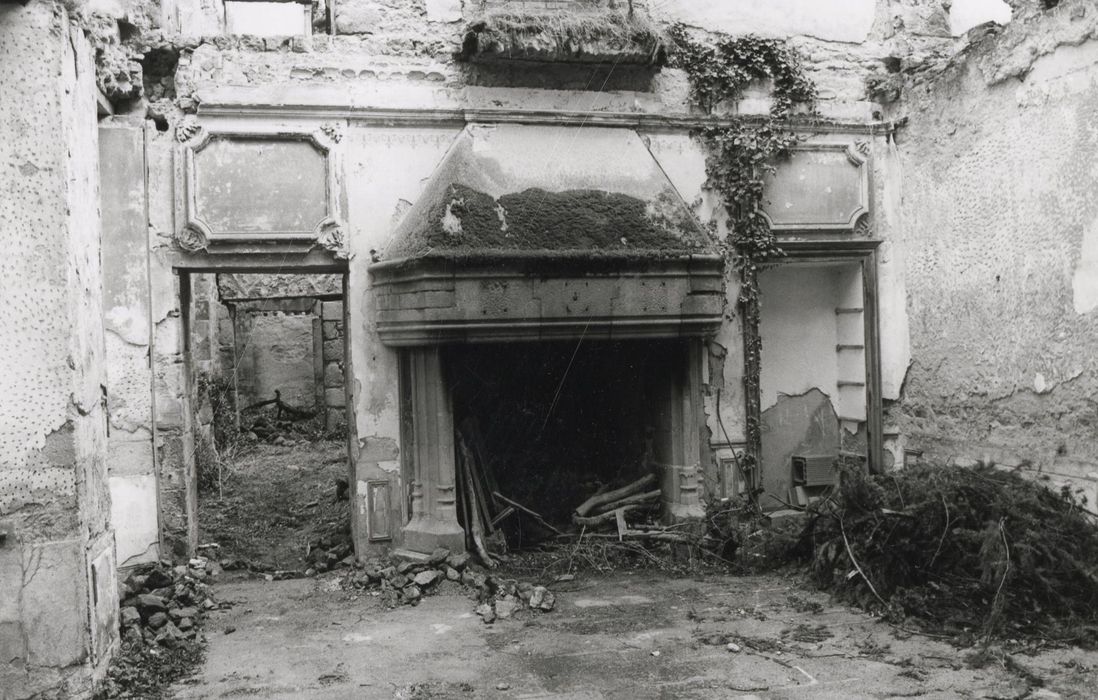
point(976, 552)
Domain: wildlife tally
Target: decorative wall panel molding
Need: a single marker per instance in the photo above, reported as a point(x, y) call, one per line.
point(823, 186)
point(262, 186)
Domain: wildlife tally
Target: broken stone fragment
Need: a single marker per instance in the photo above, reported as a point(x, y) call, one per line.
point(452, 574)
point(438, 556)
point(426, 578)
point(486, 612)
point(149, 604)
point(458, 561)
point(157, 579)
point(158, 620)
point(525, 590)
point(411, 593)
point(473, 579)
point(541, 598)
point(169, 635)
point(185, 624)
point(506, 606)
point(398, 580)
point(129, 616)
point(181, 613)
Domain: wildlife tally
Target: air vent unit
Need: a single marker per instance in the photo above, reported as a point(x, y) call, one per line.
point(814, 470)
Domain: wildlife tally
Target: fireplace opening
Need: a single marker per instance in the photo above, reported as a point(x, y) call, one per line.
point(550, 423)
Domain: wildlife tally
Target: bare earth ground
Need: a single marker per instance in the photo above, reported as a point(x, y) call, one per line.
point(274, 501)
point(640, 635)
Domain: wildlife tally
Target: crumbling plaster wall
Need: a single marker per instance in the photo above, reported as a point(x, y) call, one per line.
point(1000, 225)
point(128, 341)
point(57, 544)
point(400, 54)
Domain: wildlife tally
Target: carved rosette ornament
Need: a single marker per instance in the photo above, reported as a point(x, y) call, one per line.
point(332, 131)
point(862, 227)
point(332, 239)
point(191, 239)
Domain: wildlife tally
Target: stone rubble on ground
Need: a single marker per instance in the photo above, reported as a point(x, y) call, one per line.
point(163, 604)
point(406, 577)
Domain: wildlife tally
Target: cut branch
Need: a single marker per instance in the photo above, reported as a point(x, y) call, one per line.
point(599, 499)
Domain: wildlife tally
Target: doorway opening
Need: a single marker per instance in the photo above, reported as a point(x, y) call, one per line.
point(267, 399)
point(817, 378)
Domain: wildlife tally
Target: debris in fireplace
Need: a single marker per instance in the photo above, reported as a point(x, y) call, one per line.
point(607, 507)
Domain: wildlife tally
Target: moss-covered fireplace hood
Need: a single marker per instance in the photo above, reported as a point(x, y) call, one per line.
point(530, 232)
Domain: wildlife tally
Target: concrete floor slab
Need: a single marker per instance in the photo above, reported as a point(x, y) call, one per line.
point(626, 636)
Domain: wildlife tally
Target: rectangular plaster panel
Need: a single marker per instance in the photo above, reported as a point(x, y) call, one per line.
point(832, 20)
point(55, 602)
point(819, 186)
point(268, 18)
point(125, 245)
point(254, 186)
point(130, 454)
point(134, 517)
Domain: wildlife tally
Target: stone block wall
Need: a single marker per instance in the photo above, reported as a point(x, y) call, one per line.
point(58, 598)
point(294, 346)
point(335, 396)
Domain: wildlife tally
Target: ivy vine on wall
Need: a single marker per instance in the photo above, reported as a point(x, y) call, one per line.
point(740, 155)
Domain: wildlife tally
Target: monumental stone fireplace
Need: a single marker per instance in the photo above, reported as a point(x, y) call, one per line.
point(548, 250)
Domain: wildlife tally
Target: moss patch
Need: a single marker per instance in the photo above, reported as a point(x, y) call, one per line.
point(595, 35)
point(535, 220)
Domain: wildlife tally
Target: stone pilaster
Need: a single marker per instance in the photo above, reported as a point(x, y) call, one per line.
point(434, 520)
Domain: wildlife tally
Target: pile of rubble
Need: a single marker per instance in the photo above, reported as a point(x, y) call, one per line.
point(329, 552)
point(164, 605)
point(406, 577)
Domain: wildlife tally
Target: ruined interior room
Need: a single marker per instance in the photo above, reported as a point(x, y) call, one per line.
point(548, 348)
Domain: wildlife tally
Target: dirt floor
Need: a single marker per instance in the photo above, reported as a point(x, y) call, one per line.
point(639, 635)
point(275, 500)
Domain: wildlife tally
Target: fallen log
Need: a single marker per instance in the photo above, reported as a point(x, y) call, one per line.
point(599, 499)
point(637, 499)
point(592, 520)
point(649, 535)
